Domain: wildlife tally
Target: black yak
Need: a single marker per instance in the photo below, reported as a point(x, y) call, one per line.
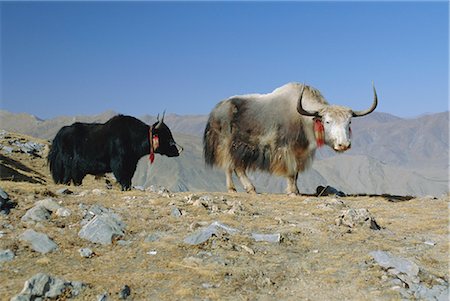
point(274, 133)
point(115, 146)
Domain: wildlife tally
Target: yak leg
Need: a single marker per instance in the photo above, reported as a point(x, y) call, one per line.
point(292, 188)
point(248, 186)
point(123, 172)
point(230, 184)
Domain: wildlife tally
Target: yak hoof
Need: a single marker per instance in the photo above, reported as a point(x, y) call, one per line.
point(232, 190)
point(251, 191)
point(293, 194)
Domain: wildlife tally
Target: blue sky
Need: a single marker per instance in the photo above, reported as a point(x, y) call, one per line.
point(77, 58)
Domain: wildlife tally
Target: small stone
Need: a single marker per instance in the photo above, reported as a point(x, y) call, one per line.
point(86, 252)
point(40, 242)
point(153, 237)
point(124, 243)
point(49, 204)
point(64, 191)
point(430, 243)
point(354, 217)
point(204, 234)
point(98, 192)
point(36, 214)
point(248, 249)
point(176, 212)
point(387, 261)
point(63, 212)
point(272, 238)
point(6, 255)
point(4, 195)
point(43, 287)
point(102, 297)
point(152, 252)
point(125, 292)
point(102, 229)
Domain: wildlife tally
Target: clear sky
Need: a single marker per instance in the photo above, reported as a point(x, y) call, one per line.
point(78, 58)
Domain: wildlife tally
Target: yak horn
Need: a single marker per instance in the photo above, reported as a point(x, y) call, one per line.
point(300, 109)
point(160, 121)
point(371, 109)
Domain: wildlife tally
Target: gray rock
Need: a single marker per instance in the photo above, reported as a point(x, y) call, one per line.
point(357, 217)
point(272, 238)
point(102, 229)
point(36, 214)
point(42, 286)
point(102, 297)
point(64, 191)
point(124, 243)
point(7, 150)
point(125, 292)
point(153, 237)
point(49, 204)
point(176, 212)
point(437, 292)
point(40, 242)
point(206, 233)
point(4, 195)
point(6, 255)
point(63, 212)
point(387, 261)
point(86, 252)
point(5, 202)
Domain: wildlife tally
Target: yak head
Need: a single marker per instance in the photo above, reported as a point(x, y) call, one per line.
point(162, 139)
point(333, 122)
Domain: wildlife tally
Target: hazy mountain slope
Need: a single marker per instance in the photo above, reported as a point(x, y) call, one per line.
point(351, 174)
point(44, 129)
point(389, 155)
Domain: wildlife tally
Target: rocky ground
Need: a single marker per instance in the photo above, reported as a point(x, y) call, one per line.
point(94, 242)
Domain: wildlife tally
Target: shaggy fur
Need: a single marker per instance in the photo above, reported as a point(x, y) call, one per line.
point(266, 132)
point(115, 146)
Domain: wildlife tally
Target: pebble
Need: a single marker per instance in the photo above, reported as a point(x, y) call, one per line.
point(204, 234)
point(64, 191)
point(6, 255)
point(357, 217)
point(36, 214)
point(272, 238)
point(40, 242)
point(125, 292)
point(387, 261)
point(102, 297)
point(102, 229)
point(176, 212)
point(86, 252)
point(42, 286)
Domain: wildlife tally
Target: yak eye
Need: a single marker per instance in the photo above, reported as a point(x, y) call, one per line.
point(327, 122)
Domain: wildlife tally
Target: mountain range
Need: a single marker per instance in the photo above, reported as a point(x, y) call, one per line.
point(389, 155)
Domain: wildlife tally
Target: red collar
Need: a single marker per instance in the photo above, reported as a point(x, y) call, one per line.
point(319, 132)
point(154, 144)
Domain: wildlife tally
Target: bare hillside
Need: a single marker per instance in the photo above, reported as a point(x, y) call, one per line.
point(160, 245)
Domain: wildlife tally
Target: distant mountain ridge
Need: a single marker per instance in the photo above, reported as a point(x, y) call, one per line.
point(389, 155)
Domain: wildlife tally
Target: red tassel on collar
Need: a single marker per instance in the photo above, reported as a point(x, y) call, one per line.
point(319, 132)
point(154, 144)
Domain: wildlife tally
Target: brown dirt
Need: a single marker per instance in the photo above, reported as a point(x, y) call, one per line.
point(315, 260)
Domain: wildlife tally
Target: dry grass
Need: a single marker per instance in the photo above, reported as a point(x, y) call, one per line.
point(316, 259)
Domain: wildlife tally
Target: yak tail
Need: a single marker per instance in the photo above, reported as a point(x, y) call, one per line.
point(55, 160)
point(210, 143)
